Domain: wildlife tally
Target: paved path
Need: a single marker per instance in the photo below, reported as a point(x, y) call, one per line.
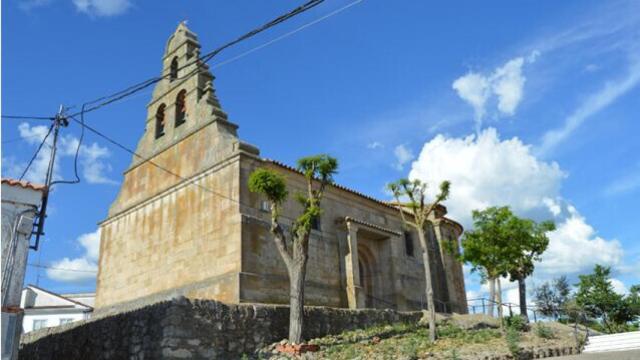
point(617, 355)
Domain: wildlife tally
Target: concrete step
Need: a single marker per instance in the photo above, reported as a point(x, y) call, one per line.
point(614, 342)
point(632, 334)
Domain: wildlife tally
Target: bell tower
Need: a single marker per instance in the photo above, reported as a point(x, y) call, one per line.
point(186, 130)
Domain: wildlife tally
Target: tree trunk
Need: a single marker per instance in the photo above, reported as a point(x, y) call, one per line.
point(296, 301)
point(428, 285)
point(492, 295)
point(297, 275)
point(499, 296)
point(522, 290)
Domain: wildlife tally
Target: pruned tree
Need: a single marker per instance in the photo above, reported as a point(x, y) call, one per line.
point(294, 247)
point(527, 241)
point(410, 197)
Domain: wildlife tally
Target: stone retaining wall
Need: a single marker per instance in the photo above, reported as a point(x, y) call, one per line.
point(183, 328)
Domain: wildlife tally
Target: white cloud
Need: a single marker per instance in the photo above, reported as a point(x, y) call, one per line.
point(28, 5)
point(486, 171)
point(624, 184)
point(34, 135)
point(574, 247)
point(554, 206)
point(102, 7)
point(591, 68)
point(474, 89)
point(618, 286)
point(374, 145)
point(595, 102)
point(92, 157)
point(403, 155)
point(506, 84)
point(82, 268)
point(93, 168)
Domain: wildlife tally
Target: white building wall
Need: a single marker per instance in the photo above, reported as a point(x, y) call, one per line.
point(52, 318)
point(19, 207)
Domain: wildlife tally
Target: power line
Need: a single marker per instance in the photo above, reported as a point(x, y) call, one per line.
point(75, 158)
point(21, 138)
point(148, 160)
point(285, 35)
point(106, 100)
point(61, 269)
point(37, 151)
point(28, 117)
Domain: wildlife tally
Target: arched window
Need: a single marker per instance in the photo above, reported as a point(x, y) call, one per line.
point(408, 243)
point(173, 72)
point(160, 121)
point(181, 108)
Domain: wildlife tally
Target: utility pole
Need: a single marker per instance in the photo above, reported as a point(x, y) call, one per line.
point(60, 120)
point(20, 202)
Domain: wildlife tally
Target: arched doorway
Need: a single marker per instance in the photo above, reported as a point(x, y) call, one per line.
point(366, 266)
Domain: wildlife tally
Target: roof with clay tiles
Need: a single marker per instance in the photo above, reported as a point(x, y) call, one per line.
point(357, 193)
point(23, 184)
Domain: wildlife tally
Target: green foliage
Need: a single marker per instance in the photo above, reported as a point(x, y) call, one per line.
point(597, 298)
point(320, 167)
point(503, 244)
point(544, 332)
point(485, 247)
point(270, 184)
point(317, 168)
point(516, 322)
point(479, 336)
point(513, 341)
point(454, 355)
point(528, 240)
point(415, 192)
point(552, 298)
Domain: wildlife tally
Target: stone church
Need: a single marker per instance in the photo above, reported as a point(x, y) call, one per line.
point(185, 223)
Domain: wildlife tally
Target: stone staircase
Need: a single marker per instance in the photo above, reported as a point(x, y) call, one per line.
point(614, 342)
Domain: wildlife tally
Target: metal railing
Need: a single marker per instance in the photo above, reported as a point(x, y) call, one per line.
point(579, 318)
point(378, 303)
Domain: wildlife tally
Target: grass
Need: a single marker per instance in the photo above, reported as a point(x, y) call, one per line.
point(411, 341)
point(407, 341)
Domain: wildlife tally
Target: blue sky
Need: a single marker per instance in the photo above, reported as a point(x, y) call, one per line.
point(532, 104)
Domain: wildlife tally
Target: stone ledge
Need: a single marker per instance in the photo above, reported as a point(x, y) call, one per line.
point(189, 328)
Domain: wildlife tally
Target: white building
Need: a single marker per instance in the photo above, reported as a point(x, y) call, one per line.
point(43, 308)
point(20, 203)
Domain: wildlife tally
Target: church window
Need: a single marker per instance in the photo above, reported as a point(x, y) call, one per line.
point(160, 121)
point(408, 243)
point(173, 72)
point(181, 108)
point(315, 223)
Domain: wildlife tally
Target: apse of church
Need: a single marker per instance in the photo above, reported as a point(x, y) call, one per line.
point(185, 223)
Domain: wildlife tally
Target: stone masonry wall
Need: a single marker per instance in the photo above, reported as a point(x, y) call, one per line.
point(192, 329)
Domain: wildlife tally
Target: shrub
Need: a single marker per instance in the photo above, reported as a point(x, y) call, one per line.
point(454, 355)
point(513, 341)
point(516, 322)
point(544, 331)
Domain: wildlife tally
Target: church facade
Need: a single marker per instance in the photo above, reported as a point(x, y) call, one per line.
point(185, 223)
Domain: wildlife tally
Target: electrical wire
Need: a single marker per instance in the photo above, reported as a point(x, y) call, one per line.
point(20, 138)
point(61, 269)
point(148, 160)
point(202, 60)
point(28, 117)
point(75, 160)
point(285, 35)
point(37, 151)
